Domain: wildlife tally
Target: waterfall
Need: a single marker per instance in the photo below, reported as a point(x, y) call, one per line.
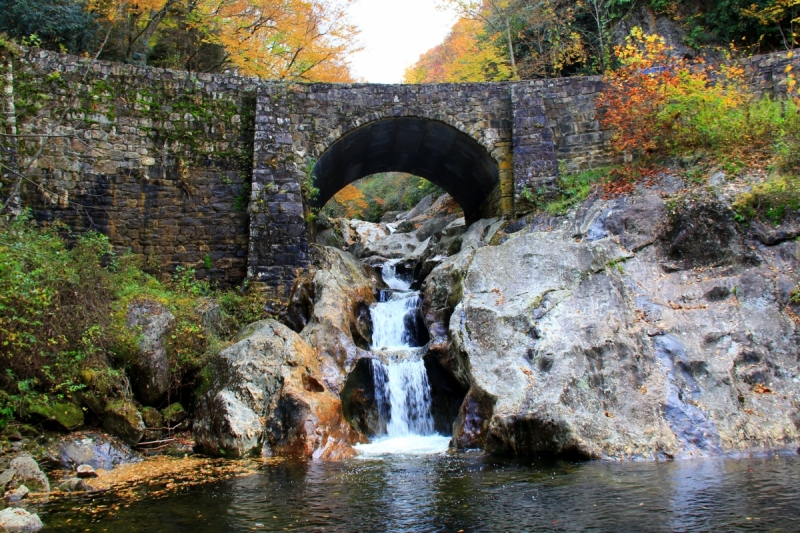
point(402, 391)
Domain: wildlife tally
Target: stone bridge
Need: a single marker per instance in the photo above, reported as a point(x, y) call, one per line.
point(482, 143)
point(207, 170)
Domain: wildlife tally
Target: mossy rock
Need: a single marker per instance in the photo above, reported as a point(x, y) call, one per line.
point(174, 414)
point(122, 419)
point(152, 418)
point(64, 415)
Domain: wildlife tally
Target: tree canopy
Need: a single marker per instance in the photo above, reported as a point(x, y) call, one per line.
point(524, 39)
point(300, 40)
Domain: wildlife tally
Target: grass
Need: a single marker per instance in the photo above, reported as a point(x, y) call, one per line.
point(573, 188)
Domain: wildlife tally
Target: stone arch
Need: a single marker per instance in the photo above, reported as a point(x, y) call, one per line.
point(432, 149)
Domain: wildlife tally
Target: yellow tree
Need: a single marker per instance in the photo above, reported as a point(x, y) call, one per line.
point(496, 16)
point(464, 56)
point(299, 40)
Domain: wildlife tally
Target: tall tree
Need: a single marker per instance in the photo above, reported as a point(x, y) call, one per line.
point(497, 17)
point(466, 55)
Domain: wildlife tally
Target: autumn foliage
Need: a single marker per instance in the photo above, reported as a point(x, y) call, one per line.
point(302, 40)
point(464, 56)
point(658, 103)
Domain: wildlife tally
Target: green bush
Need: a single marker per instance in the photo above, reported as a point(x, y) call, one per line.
point(63, 309)
point(774, 199)
point(574, 188)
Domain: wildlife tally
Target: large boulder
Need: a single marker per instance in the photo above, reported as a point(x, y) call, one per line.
point(150, 321)
point(94, 449)
point(608, 333)
point(123, 420)
point(270, 379)
point(245, 377)
point(339, 325)
point(56, 414)
point(15, 519)
point(27, 472)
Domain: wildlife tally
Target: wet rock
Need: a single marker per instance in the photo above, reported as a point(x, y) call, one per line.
point(74, 484)
point(96, 450)
point(19, 494)
point(338, 327)
point(174, 414)
point(15, 519)
point(270, 375)
point(28, 473)
point(359, 403)
point(57, 415)
point(306, 419)
point(150, 321)
point(85, 472)
point(123, 420)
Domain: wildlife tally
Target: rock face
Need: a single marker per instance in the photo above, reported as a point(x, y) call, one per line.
point(150, 321)
point(620, 331)
point(267, 394)
point(338, 326)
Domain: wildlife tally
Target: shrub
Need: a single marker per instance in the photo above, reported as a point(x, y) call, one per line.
point(659, 104)
point(773, 199)
point(63, 309)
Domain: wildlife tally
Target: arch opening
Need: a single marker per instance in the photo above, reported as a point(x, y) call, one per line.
point(427, 148)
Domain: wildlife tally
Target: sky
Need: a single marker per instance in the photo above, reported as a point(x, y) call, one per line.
point(394, 33)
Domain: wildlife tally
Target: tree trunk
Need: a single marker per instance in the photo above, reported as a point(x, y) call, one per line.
point(514, 74)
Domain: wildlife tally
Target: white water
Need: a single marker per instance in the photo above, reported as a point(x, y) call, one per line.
point(402, 391)
point(389, 274)
point(388, 326)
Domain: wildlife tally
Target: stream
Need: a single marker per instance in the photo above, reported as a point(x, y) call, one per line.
point(470, 492)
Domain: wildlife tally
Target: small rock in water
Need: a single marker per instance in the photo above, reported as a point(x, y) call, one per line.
point(18, 495)
point(16, 519)
point(86, 471)
point(74, 484)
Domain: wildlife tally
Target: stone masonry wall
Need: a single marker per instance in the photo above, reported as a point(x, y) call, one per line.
point(158, 160)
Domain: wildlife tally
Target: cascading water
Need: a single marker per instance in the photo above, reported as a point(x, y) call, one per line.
point(402, 391)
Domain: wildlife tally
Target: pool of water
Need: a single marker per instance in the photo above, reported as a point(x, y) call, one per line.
point(469, 492)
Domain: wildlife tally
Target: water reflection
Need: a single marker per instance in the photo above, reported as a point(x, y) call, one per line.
point(472, 493)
